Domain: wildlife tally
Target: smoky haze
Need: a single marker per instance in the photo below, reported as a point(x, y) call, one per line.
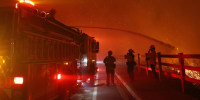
point(174, 23)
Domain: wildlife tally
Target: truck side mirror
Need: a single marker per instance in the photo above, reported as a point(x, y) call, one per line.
point(97, 47)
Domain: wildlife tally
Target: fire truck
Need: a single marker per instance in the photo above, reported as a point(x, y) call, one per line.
point(39, 55)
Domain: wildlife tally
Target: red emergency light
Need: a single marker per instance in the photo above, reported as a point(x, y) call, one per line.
point(18, 80)
point(27, 1)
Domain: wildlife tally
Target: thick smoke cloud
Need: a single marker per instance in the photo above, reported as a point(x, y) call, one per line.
point(173, 22)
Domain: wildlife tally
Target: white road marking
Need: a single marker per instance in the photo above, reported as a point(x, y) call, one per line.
point(123, 95)
point(94, 97)
point(133, 94)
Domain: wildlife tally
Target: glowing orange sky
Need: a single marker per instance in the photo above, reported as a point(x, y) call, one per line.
point(175, 22)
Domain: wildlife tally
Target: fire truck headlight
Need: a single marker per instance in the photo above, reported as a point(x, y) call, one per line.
point(18, 80)
point(59, 76)
point(85, 60)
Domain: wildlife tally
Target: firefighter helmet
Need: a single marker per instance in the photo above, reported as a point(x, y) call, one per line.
point(131, 51)
point(152, 47)
point(109, 52)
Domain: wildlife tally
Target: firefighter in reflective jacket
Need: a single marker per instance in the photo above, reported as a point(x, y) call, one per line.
point(110, 67)
point(151, 57)
point(130, 63)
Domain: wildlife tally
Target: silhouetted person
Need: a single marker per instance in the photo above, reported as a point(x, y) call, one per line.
point(110, 67)
point(151, 57)
point(130, 63)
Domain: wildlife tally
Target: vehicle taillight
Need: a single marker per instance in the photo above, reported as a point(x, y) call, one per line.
point(59, 76)
point(18, 80)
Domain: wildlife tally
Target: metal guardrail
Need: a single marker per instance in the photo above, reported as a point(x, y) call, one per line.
point(182, 76)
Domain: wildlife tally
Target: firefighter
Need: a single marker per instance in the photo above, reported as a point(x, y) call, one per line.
point(110, 67)
point(151, 58)
point(130, 63)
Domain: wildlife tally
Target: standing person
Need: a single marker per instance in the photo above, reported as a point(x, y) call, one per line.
point(110, 67)
point(151, 57)
point(130, 63)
